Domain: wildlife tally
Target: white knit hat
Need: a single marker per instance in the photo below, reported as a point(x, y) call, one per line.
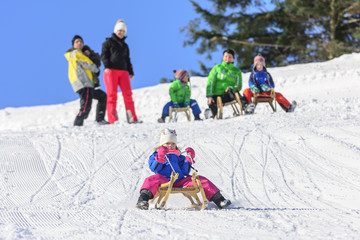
point(120, 25)
point(167, 135)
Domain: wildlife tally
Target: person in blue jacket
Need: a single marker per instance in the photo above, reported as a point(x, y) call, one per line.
point(159, 163)
point(260, 81)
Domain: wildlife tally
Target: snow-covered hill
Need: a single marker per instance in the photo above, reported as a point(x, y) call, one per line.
point(289, 175)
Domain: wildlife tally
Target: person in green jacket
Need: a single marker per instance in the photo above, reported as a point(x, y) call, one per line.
point(180, 93)
point(224, 80)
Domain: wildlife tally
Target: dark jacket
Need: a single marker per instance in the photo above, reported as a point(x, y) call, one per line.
point(95, 57)
point(115, 54)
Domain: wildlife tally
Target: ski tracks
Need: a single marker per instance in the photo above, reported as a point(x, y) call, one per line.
point(257, 152)
point(51, 174)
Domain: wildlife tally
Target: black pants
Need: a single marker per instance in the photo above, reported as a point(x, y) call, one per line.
point(227, 97)
point(86, 96)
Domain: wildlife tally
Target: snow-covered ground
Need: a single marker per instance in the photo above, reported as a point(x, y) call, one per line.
point(289, 175)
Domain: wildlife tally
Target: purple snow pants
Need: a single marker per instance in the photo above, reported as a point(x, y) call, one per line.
point(153, 182)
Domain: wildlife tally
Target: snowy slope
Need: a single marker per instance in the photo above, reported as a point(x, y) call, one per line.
point(289, 175)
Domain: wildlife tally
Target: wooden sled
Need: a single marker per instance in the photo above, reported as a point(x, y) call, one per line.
point(237, 109)
point(166, 189)
point(176, 110)
point(260, 98)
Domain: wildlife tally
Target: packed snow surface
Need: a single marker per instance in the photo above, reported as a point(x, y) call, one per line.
point(288, 175)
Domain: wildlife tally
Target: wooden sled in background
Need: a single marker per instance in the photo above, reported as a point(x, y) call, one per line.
point(166, 189)
point(260, 98)
point(235, 104)
point(176, 110)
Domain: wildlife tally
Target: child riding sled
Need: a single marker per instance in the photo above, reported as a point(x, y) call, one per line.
point(159, 163)
point(260, 81)
point(180, 93)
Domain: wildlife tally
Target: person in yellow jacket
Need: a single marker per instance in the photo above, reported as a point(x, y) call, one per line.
point(81, 70)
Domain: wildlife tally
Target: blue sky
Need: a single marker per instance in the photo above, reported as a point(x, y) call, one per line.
point(36, 34)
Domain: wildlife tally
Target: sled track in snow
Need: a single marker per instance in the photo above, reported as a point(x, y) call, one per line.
point(239, 163)
point(51, 174)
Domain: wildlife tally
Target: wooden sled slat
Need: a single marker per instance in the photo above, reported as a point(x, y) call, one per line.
point(260, 98)
point(190, 193)
point(186, 110)
point(235, 104)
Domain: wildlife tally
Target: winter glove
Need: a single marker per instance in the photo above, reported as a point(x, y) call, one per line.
point(191, 153)
point(160, 157)
point(175, 105)
point(265, 88)
point(254, 89)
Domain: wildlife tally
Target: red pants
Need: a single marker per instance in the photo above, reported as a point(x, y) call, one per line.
point(278, 96)
point(112, 80)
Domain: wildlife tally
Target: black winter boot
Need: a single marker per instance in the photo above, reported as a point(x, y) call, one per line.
point(162, 119)
point(78, 121)
point(220, 201)
point(292, 107)
point(213, 108)
point(103, 122)
point(208, 114)
point(197, 118)
point(143, 201)
point(100, 112)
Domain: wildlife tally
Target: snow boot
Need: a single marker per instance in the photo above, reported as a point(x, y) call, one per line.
point(143, 201)
point(137, 121)
point(162, 119)
point(100, 114)
point(220, 201)
point(130, 118)
point(102, 122)
point(292, 107)
point(197, 118)
point(143, 205)
point(249, 108)
point(208, 113)
point(224, 204)
point(78, 121)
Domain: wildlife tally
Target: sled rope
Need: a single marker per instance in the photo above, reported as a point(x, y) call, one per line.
point(170, 163)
